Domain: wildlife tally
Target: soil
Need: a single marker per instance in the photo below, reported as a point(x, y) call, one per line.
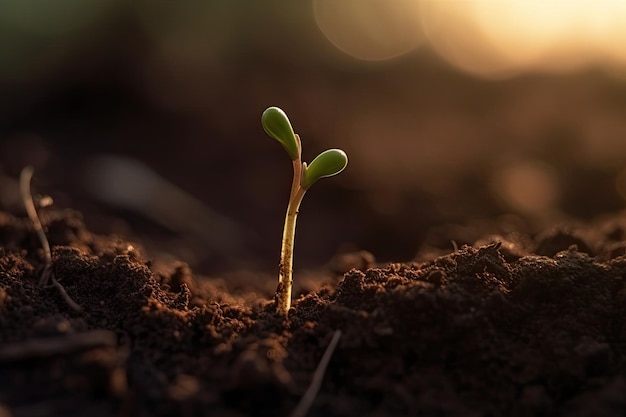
point(518, 324)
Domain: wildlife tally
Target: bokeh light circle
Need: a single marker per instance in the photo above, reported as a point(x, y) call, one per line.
point(528, 187)
point(370, 30)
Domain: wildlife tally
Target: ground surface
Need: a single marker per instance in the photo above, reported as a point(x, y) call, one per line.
point(517, 325)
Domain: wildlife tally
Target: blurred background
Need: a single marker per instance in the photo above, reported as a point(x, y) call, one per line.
point(145, 115)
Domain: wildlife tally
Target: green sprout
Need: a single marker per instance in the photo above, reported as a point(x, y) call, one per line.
point(328, 163)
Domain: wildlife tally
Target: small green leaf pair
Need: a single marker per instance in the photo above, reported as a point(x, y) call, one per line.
point(331, 162)
point(328, 163)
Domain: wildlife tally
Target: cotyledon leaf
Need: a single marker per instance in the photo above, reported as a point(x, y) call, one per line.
point(326, 164)
point(276, 124)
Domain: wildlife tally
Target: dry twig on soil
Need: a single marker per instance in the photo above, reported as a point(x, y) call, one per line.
point(318, 376)
point(25, 177)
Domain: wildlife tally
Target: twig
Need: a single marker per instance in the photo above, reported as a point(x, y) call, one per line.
point(73, 305)
point(25, 177)
point(318, 376)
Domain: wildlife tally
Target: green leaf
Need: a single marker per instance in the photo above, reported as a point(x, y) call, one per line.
point(277, 125)
point(327, 164)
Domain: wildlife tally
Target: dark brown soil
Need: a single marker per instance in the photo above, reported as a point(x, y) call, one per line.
point(518, 325)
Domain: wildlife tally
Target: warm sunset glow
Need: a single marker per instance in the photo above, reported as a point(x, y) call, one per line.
point(554, 34)
point(488, 38)
point(371, 30)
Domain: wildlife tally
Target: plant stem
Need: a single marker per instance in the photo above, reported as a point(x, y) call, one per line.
point(285, 268)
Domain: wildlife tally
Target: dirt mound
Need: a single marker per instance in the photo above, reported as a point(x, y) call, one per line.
point(495, 329)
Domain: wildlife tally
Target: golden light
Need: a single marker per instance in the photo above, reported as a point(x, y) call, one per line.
point(553, 35)
point(488, 38)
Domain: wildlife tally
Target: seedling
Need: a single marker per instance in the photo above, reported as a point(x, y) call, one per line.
point(328, 163)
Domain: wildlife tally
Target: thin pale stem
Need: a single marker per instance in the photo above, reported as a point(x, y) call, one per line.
point(285, 269)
